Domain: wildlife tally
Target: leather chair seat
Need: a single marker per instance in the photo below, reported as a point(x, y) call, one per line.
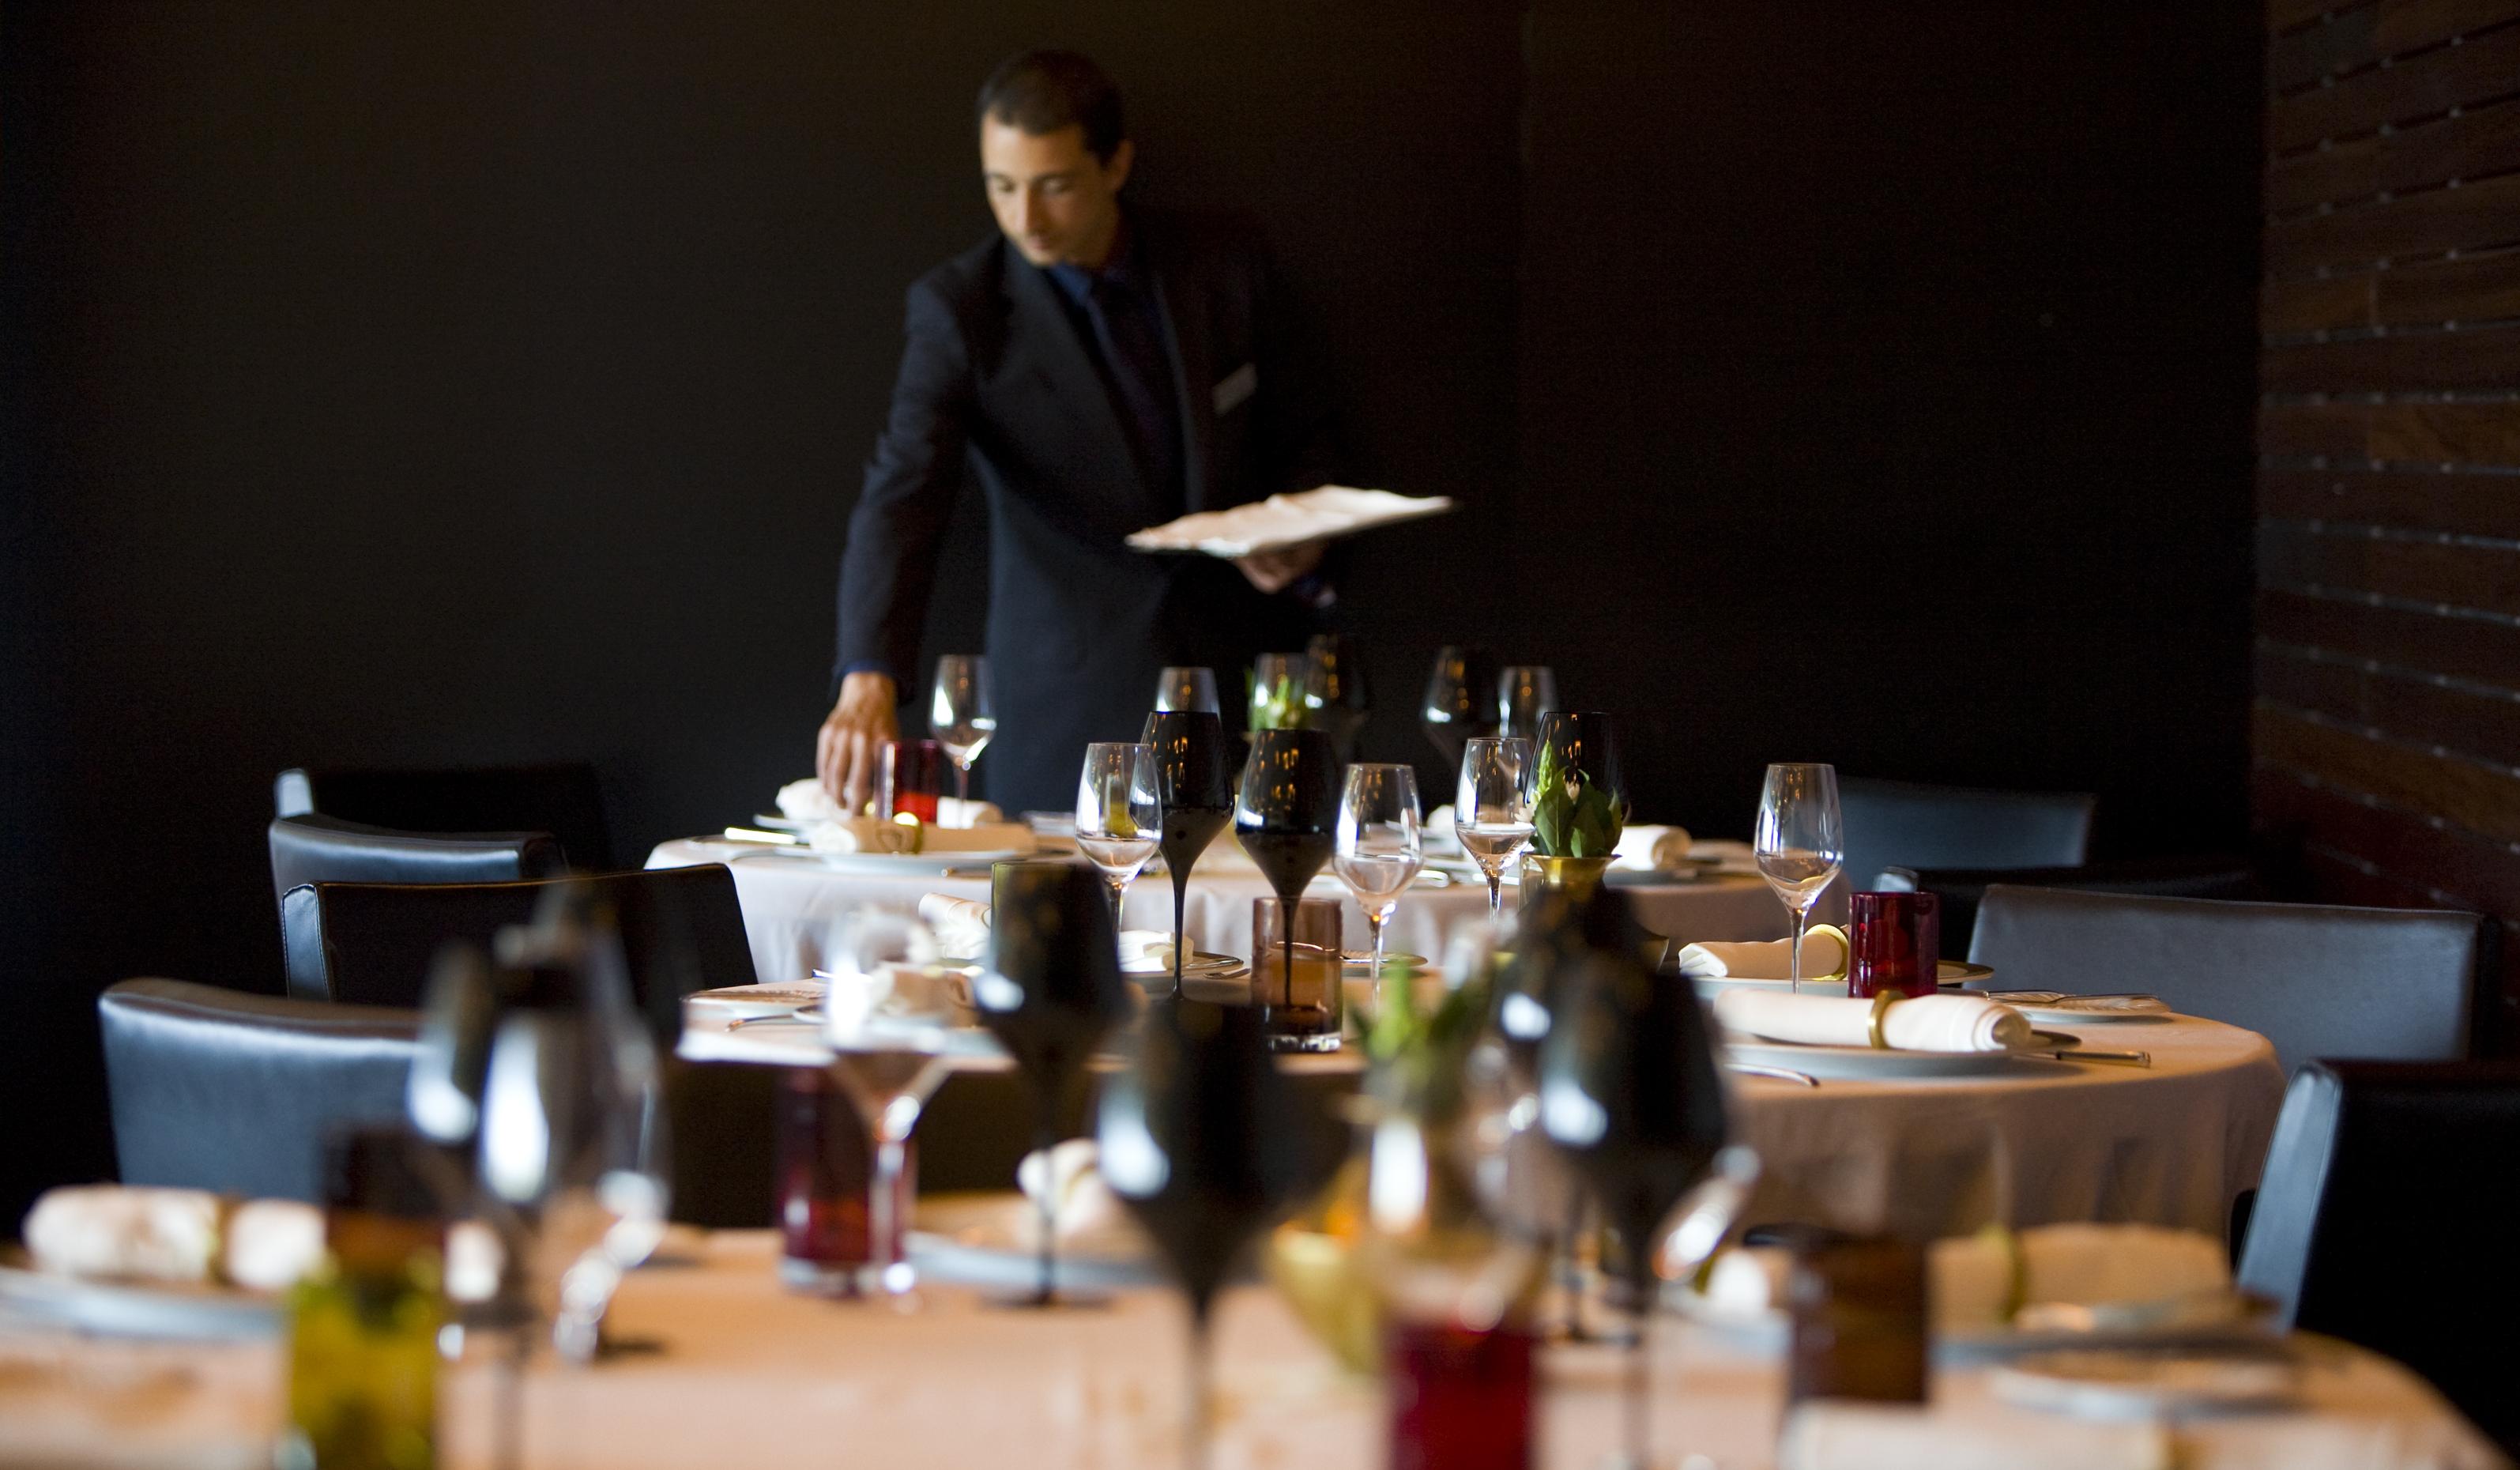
point(308, 849)
point(1903, 824)
point(2212, 875)
point(562, 798)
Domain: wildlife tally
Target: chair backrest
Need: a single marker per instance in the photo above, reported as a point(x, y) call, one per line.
point(308, 849)
point(2399, 984)
point(1900, 824)
point(2211, 875)
point(218, 1090)
point(563, 800)
point(371, 943)
point(2379, 1220)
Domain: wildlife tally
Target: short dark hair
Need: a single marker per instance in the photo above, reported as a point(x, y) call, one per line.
point(1045, 92)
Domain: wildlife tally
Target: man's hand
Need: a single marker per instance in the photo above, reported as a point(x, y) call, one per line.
point(1273, 571)
point(844, 754)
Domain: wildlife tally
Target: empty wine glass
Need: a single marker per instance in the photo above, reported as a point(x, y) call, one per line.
point(1334, 692)
point(1457, 704)
point(1196, 788)
point(1492, 808)
point(1278, 692)
point(1187, 690)
point(1800, 843)
point(1524, 693)
point(960, 718)
point(1120, 814)
point(1378, 848)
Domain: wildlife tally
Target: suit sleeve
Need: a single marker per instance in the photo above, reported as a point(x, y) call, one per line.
point(890, 562)
point(1298, 438)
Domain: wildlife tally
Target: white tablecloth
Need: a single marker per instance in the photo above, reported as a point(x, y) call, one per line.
point(794, 906)
point(736, 1372)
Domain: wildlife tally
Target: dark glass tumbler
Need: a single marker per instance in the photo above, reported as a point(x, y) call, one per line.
point(910, 777)
point(825, 1172)
point(1459, 1400)
point(1895, 943)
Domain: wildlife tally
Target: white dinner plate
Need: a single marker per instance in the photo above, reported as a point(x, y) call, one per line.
point(1855, 1063)
point(980, 1239)
point(2229, 1320)
point(2122, 1384)
point(779, 999)
point(148, 1310)
point(1201, 964)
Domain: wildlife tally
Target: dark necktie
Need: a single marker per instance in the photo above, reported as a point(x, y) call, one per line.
point(1133, 354)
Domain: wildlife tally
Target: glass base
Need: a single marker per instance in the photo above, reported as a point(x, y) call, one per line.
point(836, 1278)
point(1322, 1041)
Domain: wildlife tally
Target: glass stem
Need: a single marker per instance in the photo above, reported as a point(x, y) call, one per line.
point(887, 1248)
point(1496, 895)
point(963, 789)
point(1048, 1140)
point(1195, 1428)
point(1570, 1267)
point(1181, 899)
point(1286, 935)
point(1639, 1376)
point(1802, 921)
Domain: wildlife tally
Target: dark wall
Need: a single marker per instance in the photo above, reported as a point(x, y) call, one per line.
point(476, 383)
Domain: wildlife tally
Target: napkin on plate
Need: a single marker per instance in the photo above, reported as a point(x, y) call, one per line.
point(960, 925)
point(1315, 515)
point(1084, 1213)
point(1923, 1022)
point(1645, 848)
point(1978, 1282)
point(919, 995)
point(1845, 1434)
point(866, 834)
point(807, 802)
point(1823, 956)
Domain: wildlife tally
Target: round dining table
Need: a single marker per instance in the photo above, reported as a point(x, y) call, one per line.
point(714, 1363)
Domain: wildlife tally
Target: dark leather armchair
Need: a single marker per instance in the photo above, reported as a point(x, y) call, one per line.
point(219, 1090)
point(2383, 1218)
point(1901, 824)
point(563, 800)
point(2318, 980)
point(308, 849)
point(2212, 875)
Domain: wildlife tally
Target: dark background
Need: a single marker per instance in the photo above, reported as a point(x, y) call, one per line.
point(488, 382)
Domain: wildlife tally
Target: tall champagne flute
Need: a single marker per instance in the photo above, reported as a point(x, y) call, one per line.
point(1187, 689)
point(1194, 788)
point(1524, 693)
point(1800, 843)
point(1492, 807)
point(960, 718)
point(1119, 818)
point(1287, 817)
point(1378, 848)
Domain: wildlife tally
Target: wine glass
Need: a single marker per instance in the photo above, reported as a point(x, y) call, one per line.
point(1629, 1093)
point(1119, 818)
point(1524, 693)
point(1334, 692)
point(1287, 817)
point(960, 718)
point(1378, 848)
point(1456, 706)
point(1051, 991)
point(1194, 790)
point(1278, 692)
point(1492, 808)
point(1187, 690)
point(1800, 843)
point(1579, 795)
point(1205, 1142)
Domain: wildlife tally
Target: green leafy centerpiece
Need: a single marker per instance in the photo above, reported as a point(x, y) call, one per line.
point(1579, 803)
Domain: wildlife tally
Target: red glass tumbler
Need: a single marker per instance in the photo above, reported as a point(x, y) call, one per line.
point(910, 776)
point(1459, 1400)
point(825, 1180)
point(1897, 944)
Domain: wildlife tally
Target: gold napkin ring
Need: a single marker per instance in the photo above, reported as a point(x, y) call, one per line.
point(1882, 1001)
point(913, 833)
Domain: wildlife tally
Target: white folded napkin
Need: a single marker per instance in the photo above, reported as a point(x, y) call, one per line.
point(1146, 946)
point(960, 925)
point(866, 834)
point(894, 995)
point(130, 1232)
point(807, 802)
point(1844, 1435)
point(1315, 515)
point(1084, 1212)
point(1824, 957)
point(1923, 1023)
point(1978, 1282)
point(1649, 848)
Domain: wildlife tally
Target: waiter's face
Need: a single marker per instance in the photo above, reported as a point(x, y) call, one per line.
point(1053, 199)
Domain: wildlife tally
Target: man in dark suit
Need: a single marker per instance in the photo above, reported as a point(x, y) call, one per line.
point(1096, 368)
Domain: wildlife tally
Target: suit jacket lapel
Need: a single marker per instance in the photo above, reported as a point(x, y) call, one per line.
point(1063, 365)
point(1185, 310)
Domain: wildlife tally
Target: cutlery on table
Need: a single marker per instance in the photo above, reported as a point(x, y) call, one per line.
point(1781, 1073)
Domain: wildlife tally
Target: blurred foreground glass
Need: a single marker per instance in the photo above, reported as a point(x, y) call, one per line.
point(1119, 815)
point(1380, 849)
point(1894, 943)
point(1458, 703)
point(1187, 689)
point(961, 716)
point(1800, 841)
point(1857, 1315)
point(909, 777)
point(1524, 693)
point(1194, 792)
point(1297, 973)
point(825, 1171)
point(1492, 808)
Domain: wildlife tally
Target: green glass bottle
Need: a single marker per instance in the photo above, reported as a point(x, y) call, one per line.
point(363, 1328)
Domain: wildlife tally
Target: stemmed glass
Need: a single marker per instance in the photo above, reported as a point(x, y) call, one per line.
point(1187, 690)
point(1194, 790)
point(1334, 693)
point(960, 716)
point(1119, 816)
point(1800, 843)
point(1629, 1093)
point(1277, 683)
point(1524, 693)
point(1287, 817)
point(1457, 705)
point(1378, 848)
point(1196, 1140)
point(1492, 809)
point(1051, 991)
